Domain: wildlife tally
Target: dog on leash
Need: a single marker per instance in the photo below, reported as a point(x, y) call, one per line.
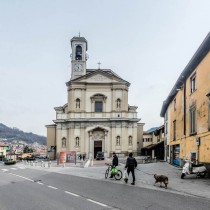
point(162, 179)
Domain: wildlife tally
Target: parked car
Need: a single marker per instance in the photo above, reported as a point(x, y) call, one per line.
point(28, 158)
point(100, 156)
point(42, 156)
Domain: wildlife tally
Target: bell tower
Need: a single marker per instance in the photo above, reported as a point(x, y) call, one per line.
point(79, 47)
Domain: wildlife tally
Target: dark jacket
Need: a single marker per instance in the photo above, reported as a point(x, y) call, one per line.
point(115, 160)
point(131, 162)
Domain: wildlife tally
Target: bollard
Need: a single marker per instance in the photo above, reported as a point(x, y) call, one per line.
point(41, 163)
point(82, 164)
point(49, 164)
point(63, 164)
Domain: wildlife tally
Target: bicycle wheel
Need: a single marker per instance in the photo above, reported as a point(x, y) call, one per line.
point(106, 173)
point(118, 176)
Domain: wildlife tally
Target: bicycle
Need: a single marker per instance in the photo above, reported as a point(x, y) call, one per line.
point(117, 176)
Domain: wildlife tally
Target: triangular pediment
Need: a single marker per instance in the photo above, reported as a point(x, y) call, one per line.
point(100, 77)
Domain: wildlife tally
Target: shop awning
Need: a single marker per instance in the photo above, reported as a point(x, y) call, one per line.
point(152, 146)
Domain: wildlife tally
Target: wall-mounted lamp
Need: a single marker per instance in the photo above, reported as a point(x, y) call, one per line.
point(208, 95)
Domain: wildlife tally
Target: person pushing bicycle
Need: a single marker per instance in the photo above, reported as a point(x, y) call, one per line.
point(114, 162)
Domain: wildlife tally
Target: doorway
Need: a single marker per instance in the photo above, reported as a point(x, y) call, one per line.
point(97, 147)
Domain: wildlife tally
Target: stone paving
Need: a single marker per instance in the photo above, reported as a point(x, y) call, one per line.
point(144, 176)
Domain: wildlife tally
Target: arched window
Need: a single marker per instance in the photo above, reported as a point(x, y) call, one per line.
point(130, 142)
point(118, 103)
point(77, 142)
point(99, 101)
point(78, 52)
point(63, 142)
point(118, 140)
point(77, 103)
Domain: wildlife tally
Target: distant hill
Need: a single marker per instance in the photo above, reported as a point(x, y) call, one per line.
point(15, 134)
point(151, 130)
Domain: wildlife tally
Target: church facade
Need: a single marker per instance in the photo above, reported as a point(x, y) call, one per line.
point(97, 116)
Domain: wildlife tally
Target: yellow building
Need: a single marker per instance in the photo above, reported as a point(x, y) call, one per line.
point(187, 111)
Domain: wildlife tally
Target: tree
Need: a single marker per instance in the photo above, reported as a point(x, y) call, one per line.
point(27, 150)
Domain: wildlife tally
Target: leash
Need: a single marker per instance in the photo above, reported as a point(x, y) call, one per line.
point(144, 172)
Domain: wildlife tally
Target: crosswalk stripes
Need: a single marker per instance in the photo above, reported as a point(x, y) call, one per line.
point(14, 169)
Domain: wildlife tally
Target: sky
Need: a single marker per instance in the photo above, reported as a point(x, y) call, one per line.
point(146, 42)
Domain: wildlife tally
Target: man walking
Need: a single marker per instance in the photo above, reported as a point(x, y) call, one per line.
point(131, 164)
point(114, 162)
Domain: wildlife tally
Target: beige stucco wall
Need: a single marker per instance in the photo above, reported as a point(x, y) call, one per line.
point(188, 142)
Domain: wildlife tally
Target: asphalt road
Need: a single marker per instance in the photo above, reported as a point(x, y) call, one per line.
point(28, 189)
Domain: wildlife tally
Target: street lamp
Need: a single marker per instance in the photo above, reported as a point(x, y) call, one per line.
point(208, 95)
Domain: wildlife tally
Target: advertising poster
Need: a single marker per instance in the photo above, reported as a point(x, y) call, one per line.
point(68, 157)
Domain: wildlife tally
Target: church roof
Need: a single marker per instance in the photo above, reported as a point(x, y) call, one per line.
point(90, 72)
point(109, 71)
point(79, 39)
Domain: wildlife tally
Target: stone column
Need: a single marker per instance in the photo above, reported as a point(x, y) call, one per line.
point(90, 146)
point(106, 145)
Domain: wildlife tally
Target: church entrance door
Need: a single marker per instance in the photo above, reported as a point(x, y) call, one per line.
point(97, 147)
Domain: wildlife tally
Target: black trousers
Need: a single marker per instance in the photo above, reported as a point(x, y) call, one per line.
point(131, 169)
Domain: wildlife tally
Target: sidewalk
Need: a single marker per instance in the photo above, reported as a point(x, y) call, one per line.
point(144, 178)
point(189, 185)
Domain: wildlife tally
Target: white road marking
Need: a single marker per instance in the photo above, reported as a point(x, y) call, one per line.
point(40, 183)
point(4, 170)
point(21, 167)
point(14, 169)
point(22, 177)
point(71, 193)
point(52, 187)
point(101, 204)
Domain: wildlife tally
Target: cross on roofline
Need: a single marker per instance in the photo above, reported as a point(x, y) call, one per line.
point(99, 63)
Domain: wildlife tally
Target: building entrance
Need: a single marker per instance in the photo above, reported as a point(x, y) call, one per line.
point(97, 147)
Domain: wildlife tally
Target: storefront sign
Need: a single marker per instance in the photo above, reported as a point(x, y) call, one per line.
point(68, 157)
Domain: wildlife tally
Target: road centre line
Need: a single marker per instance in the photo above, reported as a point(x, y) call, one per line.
point(52, 187)
point(22, 177)
point(101, 204)
point(40, 183)
point(71, 193)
